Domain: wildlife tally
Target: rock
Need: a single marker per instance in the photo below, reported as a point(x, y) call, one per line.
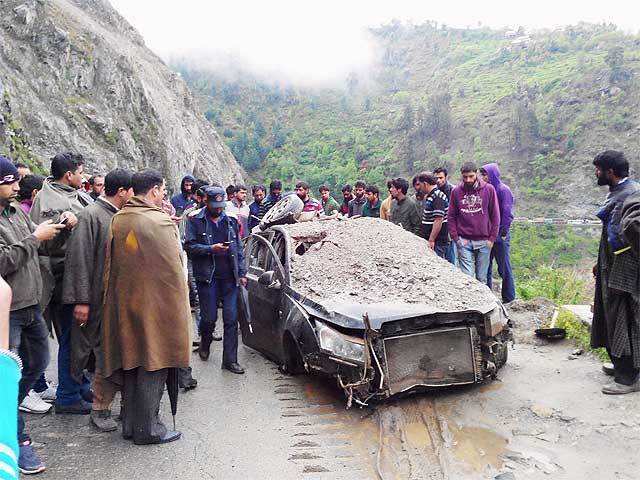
point(572, 357)
point(79, 78)
point(542, 411)
point(578, 351)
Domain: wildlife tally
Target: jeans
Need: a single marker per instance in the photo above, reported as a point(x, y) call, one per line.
point(501, 253)
point(452, 257)
point(69, 391)
point(473, 258)
point(442, 249)
point(29, 338)
point(208, 294)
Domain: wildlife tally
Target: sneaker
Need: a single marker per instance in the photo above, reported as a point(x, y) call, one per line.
point(29, 463)
point(49, 395)
point(32, 403)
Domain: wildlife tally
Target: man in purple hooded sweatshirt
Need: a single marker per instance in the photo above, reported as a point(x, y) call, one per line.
point(474, 220)
point(501, 250)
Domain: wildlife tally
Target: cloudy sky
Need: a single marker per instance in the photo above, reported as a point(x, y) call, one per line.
point(322, 40)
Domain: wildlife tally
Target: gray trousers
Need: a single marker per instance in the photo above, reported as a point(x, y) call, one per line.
point(141, 395)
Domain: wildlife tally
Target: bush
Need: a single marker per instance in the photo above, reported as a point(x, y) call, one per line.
point(560, 285)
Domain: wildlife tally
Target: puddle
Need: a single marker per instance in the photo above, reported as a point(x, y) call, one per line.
point(477, 447)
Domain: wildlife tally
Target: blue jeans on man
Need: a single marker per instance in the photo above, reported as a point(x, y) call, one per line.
point(473, 258)
point(501, 251)
point(208, 294)
point(29, 338)
point(69, 391)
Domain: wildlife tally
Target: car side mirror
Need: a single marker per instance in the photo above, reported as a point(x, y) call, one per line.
point(267, 280)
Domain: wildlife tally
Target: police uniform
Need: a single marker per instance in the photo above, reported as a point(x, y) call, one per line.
point(217, 274)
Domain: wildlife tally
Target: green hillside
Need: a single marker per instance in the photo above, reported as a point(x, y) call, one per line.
point(542, 105)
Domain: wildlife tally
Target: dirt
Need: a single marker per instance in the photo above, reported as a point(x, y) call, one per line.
point(528, 315)
point(395, 265)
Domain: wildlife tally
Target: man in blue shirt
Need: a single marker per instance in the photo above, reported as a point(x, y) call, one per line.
point(212, 240)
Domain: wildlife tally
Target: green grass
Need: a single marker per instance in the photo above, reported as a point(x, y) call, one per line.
point(580, 333)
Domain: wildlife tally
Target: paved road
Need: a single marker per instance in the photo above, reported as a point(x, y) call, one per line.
point(543, 418)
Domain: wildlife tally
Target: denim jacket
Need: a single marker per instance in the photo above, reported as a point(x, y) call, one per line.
point(198, 240)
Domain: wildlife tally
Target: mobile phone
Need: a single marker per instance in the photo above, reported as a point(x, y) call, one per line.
point(64, 221)
point(226, 244)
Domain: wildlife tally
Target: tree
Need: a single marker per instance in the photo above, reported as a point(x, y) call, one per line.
point(525, 129)
point(406, 119)
point(615, 62)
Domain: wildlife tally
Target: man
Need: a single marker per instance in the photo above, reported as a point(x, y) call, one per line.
point(60, 197)
point(385, 206)
point(474, 220)
point(310, 204)
point(356, 205)
point(213, 242)
point(404, 211)
point(96, 184)
point(328, 203)
point(29, 188)
point(372, 207)
point(19, 266)
point(83, 291)
point(231, 192)
point(184, 199)
point(617, 299)
point(255, 208)
point(501, 250)
point(237, 208)
point(347, 196)
point(442, 175)
point(145, 324)
point(275, 195)
point(23, 169)
point(434, 216)
point(418, 195)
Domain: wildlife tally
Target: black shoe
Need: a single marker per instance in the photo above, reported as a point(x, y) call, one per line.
point(216, 338)
point(78, 408)
point(233, 367)
point(195, 343)
point(204, 351)
point(168, 437)
point(189, 384)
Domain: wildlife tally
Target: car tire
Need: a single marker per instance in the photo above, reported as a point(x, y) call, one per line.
point(283, 212)
point(293, 358)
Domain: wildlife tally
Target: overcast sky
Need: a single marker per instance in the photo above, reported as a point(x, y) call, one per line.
point(305, 41)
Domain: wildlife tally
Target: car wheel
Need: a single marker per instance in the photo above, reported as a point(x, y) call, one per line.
point(282, 212)
point(293, 358)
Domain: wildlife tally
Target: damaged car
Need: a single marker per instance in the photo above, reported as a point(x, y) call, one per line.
point(367, 303)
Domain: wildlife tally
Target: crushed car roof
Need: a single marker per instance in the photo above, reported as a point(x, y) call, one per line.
point(372, 261)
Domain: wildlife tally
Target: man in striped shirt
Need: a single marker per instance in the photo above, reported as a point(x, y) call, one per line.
point(434, 215)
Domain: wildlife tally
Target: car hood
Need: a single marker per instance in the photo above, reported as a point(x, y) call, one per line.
point(350, 315)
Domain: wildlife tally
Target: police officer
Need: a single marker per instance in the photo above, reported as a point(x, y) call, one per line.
point(212, 241)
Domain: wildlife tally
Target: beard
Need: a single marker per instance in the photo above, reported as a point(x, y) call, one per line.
point(603, 180)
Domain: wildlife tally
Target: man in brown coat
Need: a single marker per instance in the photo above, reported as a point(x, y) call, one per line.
point(145, 329)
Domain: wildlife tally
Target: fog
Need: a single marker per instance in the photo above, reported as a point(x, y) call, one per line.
point(316, 43)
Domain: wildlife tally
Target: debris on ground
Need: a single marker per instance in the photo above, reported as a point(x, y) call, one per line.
point(528, 316)
point(369, 260)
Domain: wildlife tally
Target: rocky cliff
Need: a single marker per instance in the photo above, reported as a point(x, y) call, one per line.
point(74, 75)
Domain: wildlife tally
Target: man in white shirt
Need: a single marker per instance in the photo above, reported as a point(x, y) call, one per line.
point(238, 208)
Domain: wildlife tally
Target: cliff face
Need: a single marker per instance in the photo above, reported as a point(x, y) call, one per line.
point(74, 75)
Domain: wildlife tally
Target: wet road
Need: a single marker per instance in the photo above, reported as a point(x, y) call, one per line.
point(545, 416)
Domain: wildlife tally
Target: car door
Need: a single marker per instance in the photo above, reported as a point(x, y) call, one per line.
point(265, 299)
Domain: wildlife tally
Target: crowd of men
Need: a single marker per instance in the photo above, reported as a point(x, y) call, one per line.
point(115, 268)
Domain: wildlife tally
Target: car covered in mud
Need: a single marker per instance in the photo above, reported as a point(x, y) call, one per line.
point(369, 304)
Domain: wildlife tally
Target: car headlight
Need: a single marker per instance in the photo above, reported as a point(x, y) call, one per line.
point(495, 321)
point(340, 344)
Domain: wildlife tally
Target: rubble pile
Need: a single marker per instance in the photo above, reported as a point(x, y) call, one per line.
point(369, 260)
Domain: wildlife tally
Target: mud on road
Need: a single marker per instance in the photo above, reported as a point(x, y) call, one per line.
point(544, 417)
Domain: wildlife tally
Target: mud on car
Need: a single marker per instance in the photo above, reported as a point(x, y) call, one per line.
point(373, 349)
